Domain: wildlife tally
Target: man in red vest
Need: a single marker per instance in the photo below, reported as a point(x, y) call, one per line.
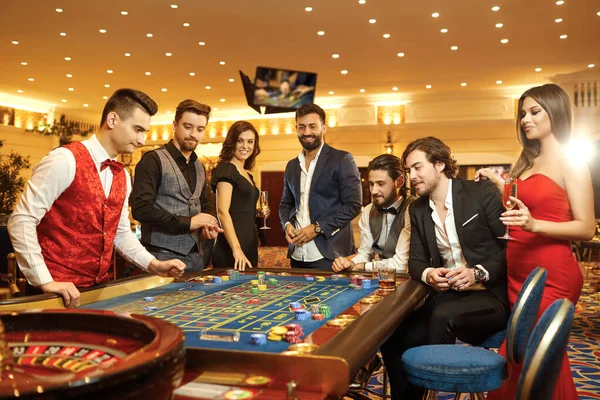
point(73, 211)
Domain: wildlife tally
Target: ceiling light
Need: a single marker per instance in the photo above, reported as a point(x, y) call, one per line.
point(216, 108)
point(444, 30)
point(463, 84)
point(560, 2)
point(331, 92)
point(174, 6)
point(24, 63)
point(428, 86)
point(201, 43)
point(192, 74)
point(30, 79)
point(168, 111)
point(64, 100)
point(591, 65)
point(386, 35)
point(86, 105)
point(222, 100)
point(395, 88)
point(558, 20)
point(563, 36)
point(20, 91)
point(15, 42)
point(163, 89)
point(335, 56)
point(435, 14)
point(222, 62)
point(400, 54)
point(168, 54)
point(495, 8)
point(372, 20)
point(320, 33)
point(499, 25)
point(105, 97)
point(454, 48)
point(504, 41)
point(149, 35)
point(538, 69)
point(308, 9)
point(69, 75)
point(71, 89)
point(124, 13)
point(207, 87)
point(63, 34)
point(362, 90)
point(362, 1)
point(498, 82)
point(102, 30)
point(231, 80)
point(106, 85)
point(344, 72)
point(186, 24)
point(59, 10)
point(67, 58)
point(127, 54)
point(109, 71)
point(148, 73)
point(598, 13)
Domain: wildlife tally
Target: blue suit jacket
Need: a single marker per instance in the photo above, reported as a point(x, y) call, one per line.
point(335, 199)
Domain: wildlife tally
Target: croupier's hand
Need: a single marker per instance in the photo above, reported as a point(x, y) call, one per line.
point(170, 268)
point(67, 290)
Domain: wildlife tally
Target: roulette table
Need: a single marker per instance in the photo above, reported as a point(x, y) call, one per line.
point(219, 321)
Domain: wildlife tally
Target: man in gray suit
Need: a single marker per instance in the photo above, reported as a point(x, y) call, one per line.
point(322, 193)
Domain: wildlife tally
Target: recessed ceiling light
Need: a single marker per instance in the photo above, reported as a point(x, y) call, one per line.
point(207, 87)
point(163, 89)
point(499, 25)
point(400, 54)
point(320, 33)
point(362, 90)
point(504, 41)
point(20, 91)
point(454, 48)
point(86, 105)
point(59, 10)
point(560, 2)
point(435, 14)
point(495, 8)
point(30, 79)
point(335, 55)
point(331, 92)
point(395, 88)
point(67, 58)
point(149, 35)
point(344, 71)
point(71, 89)
point(463, 84)
point(558, 20)
point(15, 42)
point(148, 73)
point(102, 30)
point(109, 71)
point(69, 75)
point(216, 108)
point(127, 54)
point(174, 6)
point(598, 13)
point(64, 100)
point(428, 86)
point(168, 54)
point(231, 80)
point(106, 85)
point(362, 1)
point(498, 82)
point(563, 36)
point(63, 34)
point(444, 30)
point(308, 9)
point(105, 97)
point(168, 111)
point(192, 74)
point(186, 24)
point(372, 21)
point(386, 35)
point(538, 69)
point(222, 100)
point(24, 63)
point(124, 13)
point(201, 43)
point(591, 65)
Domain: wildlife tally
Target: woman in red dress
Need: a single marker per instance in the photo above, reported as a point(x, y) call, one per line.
point(554, 205)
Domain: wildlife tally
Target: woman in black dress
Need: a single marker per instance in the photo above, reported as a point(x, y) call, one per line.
point(237, 195)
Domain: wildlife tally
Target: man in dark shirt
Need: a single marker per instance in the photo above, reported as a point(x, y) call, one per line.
point(170, 196)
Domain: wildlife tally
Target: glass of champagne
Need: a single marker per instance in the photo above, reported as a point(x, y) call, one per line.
point(264, 207)
point(510, 190)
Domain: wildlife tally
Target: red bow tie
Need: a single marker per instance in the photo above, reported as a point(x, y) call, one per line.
point(114, 166)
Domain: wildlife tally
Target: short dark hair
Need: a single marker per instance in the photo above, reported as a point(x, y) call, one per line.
point(192, 106)
point(393, 166)
point(231, 140)
point(310, 108)
point(125, 101)
point(436, 151)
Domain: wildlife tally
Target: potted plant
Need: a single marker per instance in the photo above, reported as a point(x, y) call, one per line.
point(11, 181)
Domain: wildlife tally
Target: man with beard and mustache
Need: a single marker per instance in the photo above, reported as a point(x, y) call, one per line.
point(170, 197)
point(455, 250)
point(322, 193)
point(384, 224)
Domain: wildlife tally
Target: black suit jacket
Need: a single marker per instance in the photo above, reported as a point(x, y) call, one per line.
point(335, 199)
point(477, 235)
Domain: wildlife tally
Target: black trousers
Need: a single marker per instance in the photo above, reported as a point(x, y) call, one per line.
point(470, 316)
point(323, 264)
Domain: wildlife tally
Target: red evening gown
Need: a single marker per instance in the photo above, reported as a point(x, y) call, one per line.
point(546, 201)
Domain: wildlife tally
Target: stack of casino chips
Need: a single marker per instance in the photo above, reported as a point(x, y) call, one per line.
point(254, 290)
point(225, 278)
point(294, 306)
point(233, 274)
point(302, 314)
point(217, 279)
point(318, 317)
point(273, 282)
point(278, 333)
point(335, 277)
point(366, 284)
point(354, 280)
point(325, 310)
point(314, 308)
point(309, 277)
point(320, 279)
point(258, 339)
point(260, 274)
point(293, 333)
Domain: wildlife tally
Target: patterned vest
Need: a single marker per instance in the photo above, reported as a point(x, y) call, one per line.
point(77, 233)
point(376, 222)
point(174, 195)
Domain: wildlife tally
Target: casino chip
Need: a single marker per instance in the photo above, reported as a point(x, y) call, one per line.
point(239, 394)
point(257, 380)
point(149, 298)
point(151, 308)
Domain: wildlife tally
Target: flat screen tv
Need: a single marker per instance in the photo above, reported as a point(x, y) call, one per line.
point(283, 89)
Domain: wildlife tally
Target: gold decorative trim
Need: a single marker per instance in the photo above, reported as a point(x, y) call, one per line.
point(512, 329)
point(542, 349)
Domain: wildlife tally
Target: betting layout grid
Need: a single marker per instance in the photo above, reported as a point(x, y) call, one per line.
point(229, 306)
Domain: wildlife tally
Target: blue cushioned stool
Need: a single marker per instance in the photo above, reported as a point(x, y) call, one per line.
point(465, 369)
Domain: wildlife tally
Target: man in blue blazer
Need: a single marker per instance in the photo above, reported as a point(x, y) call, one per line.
point(322, 193)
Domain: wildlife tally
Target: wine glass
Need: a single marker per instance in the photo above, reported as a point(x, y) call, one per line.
point(510, 190)
point(264, 207)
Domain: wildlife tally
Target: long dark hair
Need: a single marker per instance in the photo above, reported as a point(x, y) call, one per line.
point(556, 102)
point(231, 140)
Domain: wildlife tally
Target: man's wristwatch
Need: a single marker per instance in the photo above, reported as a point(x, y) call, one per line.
point(318, 229)
point(479, 275)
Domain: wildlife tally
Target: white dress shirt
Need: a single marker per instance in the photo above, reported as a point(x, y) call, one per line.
point(307, 252)
point(447, 239)
point(365, 252)
point(51, 177)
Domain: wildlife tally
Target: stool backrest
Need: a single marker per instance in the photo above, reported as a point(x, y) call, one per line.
point(545, 352)
point(524, 314)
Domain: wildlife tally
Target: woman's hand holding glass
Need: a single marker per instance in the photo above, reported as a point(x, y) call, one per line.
point(521, 217)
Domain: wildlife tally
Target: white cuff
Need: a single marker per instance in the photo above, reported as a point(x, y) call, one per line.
point(487, 274)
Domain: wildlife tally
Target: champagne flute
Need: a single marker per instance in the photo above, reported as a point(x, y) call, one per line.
point(510, 190)
point(264, 207)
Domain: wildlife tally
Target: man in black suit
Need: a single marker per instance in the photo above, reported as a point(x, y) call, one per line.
point(322, 193)
point(454, 249)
